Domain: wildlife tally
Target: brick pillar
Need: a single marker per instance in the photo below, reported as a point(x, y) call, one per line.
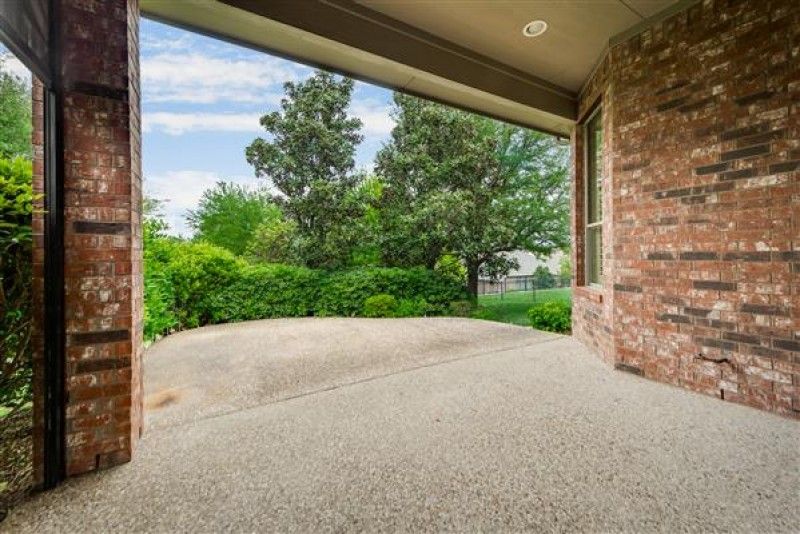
point(102, 234)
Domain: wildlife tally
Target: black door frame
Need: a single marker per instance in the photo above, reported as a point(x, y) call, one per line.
point(54, 468)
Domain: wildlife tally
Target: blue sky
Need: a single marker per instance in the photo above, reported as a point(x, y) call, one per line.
point(201, 101)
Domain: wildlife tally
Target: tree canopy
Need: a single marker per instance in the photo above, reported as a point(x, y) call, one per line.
point(15, 115)
point(229, 214)
point(309, 158)
point(469, 186)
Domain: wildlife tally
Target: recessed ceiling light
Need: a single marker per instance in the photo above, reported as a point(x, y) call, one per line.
point(534, 28)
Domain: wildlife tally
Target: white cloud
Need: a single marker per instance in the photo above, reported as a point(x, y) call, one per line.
point(181, 191)
point(205, 79)
point(375, 116)
point(11, 64)
point(179, 123)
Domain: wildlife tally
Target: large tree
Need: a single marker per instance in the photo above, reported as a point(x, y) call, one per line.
point(229, 214)
point(462, 184)
point(15, 114)
point(309, 158)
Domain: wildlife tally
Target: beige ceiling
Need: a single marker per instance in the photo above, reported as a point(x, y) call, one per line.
point(467, 53)
point(578, 30)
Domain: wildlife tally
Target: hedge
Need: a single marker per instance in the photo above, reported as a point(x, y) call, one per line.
point(267, 291)
point(553, 316)
point(344, 292)
point(194, 284)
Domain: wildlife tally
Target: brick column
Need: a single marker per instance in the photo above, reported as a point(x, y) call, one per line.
point(102, 235)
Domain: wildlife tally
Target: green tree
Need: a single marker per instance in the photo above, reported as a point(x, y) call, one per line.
point(15, 115)
point(543, 278)
point(565, 266)
point(309, 158)
point(469, 186)
point(229, 214)
point(276, 241)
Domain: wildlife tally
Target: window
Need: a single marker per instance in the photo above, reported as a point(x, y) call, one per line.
point(593, 177)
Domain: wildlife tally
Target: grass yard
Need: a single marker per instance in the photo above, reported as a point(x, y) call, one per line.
point(513, 307)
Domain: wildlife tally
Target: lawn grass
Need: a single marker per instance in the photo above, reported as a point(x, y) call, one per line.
point(513, 307)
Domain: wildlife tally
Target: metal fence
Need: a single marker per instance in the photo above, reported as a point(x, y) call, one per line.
point(520, 283)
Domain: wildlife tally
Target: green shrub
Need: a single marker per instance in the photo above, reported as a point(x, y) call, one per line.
point(451, 267)
point(344, 292)
point(461, 308)
point(382, 305)
point(418, 307)
point(543, 278)
point(267, 291)
point(553, 316)
point(482, 312)
point(16, 254)
point(191, 284)
point(198, 271)
point(159, 309)
point(159, 296)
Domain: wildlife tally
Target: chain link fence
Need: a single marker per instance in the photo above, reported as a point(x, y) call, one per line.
point(517, 283)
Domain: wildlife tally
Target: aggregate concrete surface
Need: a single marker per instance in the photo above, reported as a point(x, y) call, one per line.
point(298, 425)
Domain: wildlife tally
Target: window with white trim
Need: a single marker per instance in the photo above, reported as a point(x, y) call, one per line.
point(593, 178)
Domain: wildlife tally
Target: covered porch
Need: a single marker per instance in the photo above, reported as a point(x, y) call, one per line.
point(683, 119)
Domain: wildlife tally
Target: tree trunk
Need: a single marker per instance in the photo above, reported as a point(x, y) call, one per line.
point(472, 281)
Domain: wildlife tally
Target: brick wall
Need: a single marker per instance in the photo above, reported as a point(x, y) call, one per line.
point(102, 235)
point(702, 250)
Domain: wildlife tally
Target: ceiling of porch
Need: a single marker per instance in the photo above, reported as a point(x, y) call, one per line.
point(467, 53)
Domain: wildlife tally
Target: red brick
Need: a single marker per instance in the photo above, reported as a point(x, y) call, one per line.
point(678, 143)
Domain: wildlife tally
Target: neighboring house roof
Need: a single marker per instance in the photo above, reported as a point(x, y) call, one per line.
point(528, 262)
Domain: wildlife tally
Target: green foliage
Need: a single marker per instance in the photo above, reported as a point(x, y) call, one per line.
point(565, 266)
point(198, 271)
point(191, 284)
point(417, 307)
point(267, 291)
point(484, 313)
point(469, 186)
point(229, 214)
point(382, 305)
point(513, 307)
point(344, 292)
point(159, 309)
point(309, 158)
point(16, 212)
point(276, 241)
point(159, 296)
point(553, 316)
point(543, 278)
point(461, 308)
point(451, 267)
point(15, 115)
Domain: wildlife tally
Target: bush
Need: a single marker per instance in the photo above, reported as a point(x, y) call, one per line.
point(487, 314)
point(198, 271)
point(451, 267)
point(380, 306)
point(193, 284)
point(267, 291)
point(344, 292)
point(159, 298)
point(461, 308)
point(553, 316)
point(16, 254)
point(418, 307)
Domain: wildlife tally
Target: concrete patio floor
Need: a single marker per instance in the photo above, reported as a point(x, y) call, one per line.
point(424, 424)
